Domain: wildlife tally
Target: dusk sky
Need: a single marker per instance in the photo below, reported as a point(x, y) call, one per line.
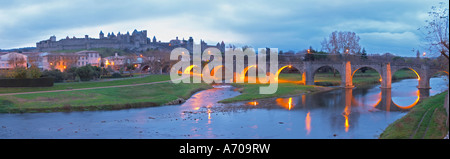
point(383, 25)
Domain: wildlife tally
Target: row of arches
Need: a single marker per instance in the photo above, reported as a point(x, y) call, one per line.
point(325, 75)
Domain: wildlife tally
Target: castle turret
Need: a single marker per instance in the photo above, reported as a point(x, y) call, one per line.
point(53, 38)
point(154, 39)
point(101, 35)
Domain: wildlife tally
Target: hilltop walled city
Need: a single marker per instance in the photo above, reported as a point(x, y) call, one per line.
point(76, 52)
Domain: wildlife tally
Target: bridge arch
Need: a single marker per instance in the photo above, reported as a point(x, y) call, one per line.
point(221, 69)
point(359, 67)
point(338, 68)
point(288, 78)
point(417, 71)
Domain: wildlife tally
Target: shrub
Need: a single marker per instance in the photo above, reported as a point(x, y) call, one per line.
point(116, 75)
point(86, 73)
point(20, 73)
point(38, 82)
point(56, 74)
point(34, 72)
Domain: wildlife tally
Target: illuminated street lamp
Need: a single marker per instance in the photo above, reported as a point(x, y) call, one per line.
point(424, 53)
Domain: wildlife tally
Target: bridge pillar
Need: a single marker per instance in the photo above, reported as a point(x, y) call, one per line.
point(308, 73)
point(424, 93)
point(347, 76)
point(424, 80)
point(386, 76)
point(386, 99)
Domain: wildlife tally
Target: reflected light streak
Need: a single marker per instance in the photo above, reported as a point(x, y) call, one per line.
point(308, 123)
point(346, 113)
point(209, 113)
point(290, 103)
point(285, 103)
point(254, 103)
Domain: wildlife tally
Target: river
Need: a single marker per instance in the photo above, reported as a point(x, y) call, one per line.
point(359, 113)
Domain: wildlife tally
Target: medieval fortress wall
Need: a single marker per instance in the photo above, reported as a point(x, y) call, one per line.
point(137, 41)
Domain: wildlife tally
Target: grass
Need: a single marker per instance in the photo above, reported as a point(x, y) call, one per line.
point(427, 120)
point(101, 99)
point(75, 85)
point(251, 91)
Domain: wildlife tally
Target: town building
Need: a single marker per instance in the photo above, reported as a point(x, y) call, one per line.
point(12, 60)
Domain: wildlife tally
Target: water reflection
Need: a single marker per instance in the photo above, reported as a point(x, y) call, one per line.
point(308, 123)
point(381, 101)
point(286, 103)
point(365, 101)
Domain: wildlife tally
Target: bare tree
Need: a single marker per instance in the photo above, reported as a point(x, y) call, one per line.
point(16, 60)
point(437, 30)
point(341, 42)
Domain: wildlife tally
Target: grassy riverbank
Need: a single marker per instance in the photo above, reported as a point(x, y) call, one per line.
point(101, 98)
point(91, 84)
point(427, 120)
point(251, 91)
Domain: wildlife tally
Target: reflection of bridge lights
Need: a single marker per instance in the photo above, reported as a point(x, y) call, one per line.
point(412, 105)
point(346, 114)
point(290, 103)
point(254, 103)
point(209, 114)
point(285, 103)
point(308, 123)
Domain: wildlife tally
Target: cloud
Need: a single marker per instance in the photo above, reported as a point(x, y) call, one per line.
point(379, 41)
point(287, 25)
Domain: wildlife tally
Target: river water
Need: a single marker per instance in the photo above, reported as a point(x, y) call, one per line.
point(359, 113)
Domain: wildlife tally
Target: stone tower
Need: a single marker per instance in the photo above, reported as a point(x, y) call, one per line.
point(101, 35)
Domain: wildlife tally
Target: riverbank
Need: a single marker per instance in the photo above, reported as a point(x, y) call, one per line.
point(90, 84)
point(100, 96)
point(426, 120)
point(251, 91)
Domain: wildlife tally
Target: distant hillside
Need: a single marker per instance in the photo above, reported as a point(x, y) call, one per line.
point(25, 49)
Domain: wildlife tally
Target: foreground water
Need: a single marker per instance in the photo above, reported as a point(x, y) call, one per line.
point(341, 113)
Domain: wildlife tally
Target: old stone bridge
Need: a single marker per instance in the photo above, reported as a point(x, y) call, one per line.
point(347, 65)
